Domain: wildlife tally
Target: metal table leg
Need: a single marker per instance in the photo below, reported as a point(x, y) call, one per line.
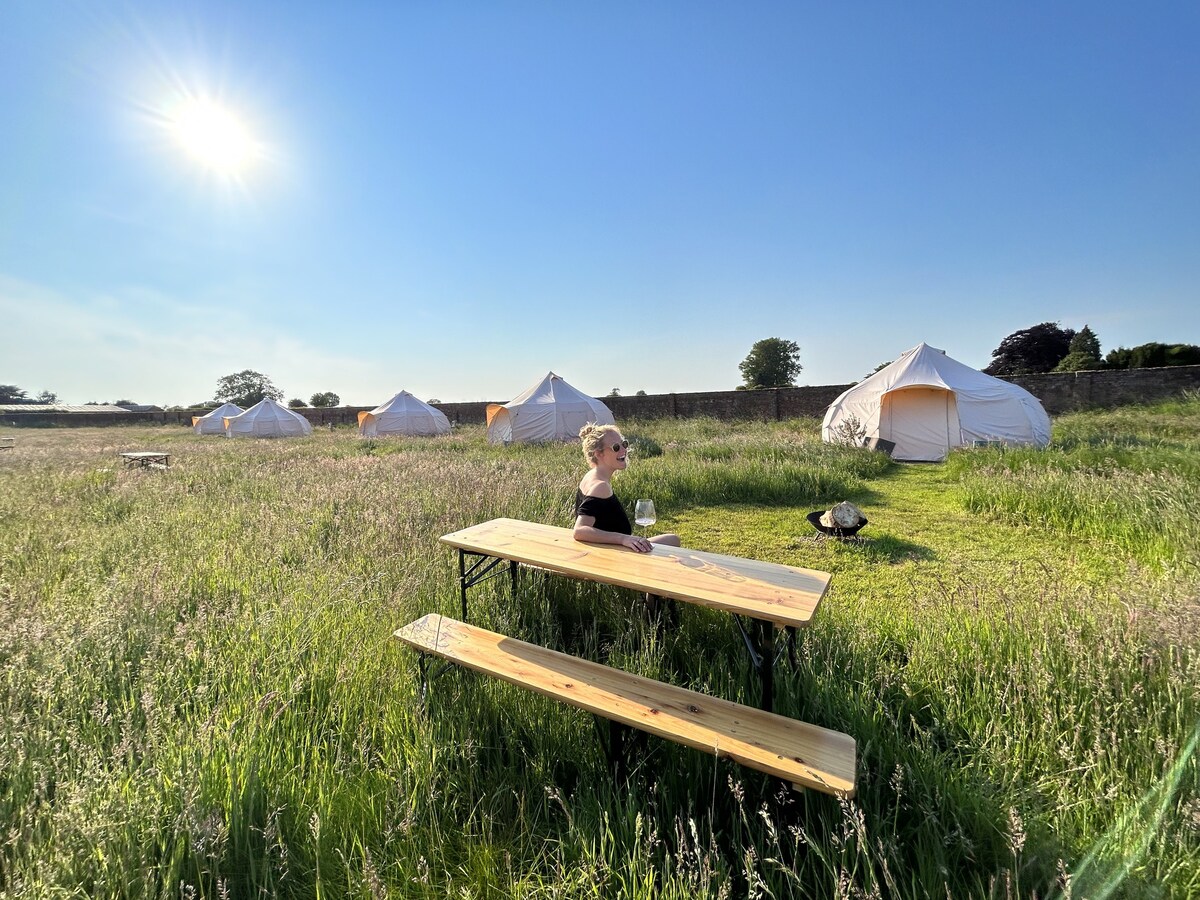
point(761, 648)
point(479, 570)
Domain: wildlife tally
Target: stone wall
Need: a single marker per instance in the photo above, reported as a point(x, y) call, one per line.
point(1059, 393)
point(1062, 392)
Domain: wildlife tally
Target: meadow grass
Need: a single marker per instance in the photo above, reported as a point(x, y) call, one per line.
point(202, 697)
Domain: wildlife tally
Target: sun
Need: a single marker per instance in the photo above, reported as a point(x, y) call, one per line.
point(214, 137)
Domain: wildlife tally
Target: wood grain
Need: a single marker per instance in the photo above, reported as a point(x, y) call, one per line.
point(785, 595)
point(806, 755)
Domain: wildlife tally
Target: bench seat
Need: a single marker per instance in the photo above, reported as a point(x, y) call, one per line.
point(807, 756)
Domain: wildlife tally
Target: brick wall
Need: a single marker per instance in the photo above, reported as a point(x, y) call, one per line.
point(1059, 393)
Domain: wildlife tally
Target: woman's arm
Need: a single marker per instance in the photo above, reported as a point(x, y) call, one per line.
point(586, 532)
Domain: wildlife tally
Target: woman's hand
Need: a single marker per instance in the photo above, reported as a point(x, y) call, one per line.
point(633, 542)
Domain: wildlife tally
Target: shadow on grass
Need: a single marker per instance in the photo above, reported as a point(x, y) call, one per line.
point(887, 549)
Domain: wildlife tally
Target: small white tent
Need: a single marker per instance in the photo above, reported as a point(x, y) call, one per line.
point(403, 414)
point(267, 419)
point(551, 410)
point(213, 422)
point(927, 403)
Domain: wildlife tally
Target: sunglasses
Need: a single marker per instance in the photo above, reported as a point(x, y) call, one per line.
point(617, 448)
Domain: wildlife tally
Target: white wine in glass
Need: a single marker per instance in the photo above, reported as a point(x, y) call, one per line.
point(643, 513)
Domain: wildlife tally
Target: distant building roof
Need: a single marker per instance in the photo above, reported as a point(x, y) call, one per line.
point(59, 407)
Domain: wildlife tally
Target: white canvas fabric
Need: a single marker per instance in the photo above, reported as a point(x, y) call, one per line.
point(927, 403)
point(213, 422)
point(267, 419)
point(551, 410)
point(403, 414)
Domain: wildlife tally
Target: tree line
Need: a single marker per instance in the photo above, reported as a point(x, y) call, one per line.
point(775, 362)
point(1048, 347)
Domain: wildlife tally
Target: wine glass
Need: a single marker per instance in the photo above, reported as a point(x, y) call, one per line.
point(643, 513)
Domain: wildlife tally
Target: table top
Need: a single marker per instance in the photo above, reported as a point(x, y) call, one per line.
point(785, 595)
point(144, 454)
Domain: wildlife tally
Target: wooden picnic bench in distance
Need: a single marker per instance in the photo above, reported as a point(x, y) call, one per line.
point(771, 595)
point(146, 459)
point(7, 443)
point(806, 756)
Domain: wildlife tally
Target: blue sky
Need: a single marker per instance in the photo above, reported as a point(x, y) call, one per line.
point(453, 198)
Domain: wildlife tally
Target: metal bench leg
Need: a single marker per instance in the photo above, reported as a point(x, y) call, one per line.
point(619, 744)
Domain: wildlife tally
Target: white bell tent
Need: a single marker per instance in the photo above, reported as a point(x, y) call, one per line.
point(213, 422)
point(403, 414)
point(927, 403)
point(551, 410)
point(267, 419)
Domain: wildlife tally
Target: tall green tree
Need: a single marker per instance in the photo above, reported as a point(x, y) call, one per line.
point(245, 388)
point(1031, 350)
point(1083, 353)
point(772, 362)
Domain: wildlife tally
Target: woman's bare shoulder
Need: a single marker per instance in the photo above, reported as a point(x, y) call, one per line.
point(591, 486)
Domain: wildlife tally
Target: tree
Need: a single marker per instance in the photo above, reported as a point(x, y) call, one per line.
point(10, 393)
point(1033, 350)
point(640, 394)
point(615, 392)
point(1153, 356)
point(1084, 353)
point(47, 397)
point(246, 388)
point(296, 403)
point(772, 362)
point(326, 399)
point(1086, 342)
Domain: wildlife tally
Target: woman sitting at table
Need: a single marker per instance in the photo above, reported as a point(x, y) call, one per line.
point(599, 516)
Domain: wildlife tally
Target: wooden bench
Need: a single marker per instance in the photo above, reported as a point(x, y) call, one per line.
point(770, 595)
point(806, 756)
point(146, 460)
point(7, 443)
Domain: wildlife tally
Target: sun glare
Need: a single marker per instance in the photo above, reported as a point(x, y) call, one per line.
point(214, 137)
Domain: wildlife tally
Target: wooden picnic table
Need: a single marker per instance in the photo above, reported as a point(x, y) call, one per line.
point(146, 458)
point(771, 595)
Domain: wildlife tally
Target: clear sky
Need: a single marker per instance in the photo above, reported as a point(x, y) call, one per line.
point(452, 198)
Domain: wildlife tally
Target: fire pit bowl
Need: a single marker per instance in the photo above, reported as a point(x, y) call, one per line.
point(814, 519)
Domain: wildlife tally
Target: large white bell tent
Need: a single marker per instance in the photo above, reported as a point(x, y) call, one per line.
point(403, 414)
point(213, 422)
point(551, 410)
point(927, 403)
point(267, 419)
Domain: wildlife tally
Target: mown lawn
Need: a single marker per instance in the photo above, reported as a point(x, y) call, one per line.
point(201, 696)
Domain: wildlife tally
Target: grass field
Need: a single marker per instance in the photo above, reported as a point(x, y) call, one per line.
point(201, 696)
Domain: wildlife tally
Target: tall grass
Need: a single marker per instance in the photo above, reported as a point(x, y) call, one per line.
point(202, 697)
point(1129, 481)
